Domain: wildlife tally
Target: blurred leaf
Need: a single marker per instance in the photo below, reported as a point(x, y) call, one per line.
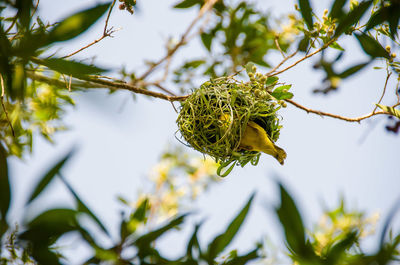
point(389, 13)
point(306, 12)
point(207, 39)
point(5, 66)
point(43, 255)
point(76, 24)
point(71, 67)
point(378, 17)
point(336, 46)
point(19, 80)
point(5, 190)
point(292, 224)
point(244, 259)
point(48, 177)
point(303, 44)
point(221, 241)
point(371, 46)
point(46, 228)
point(187, 3)
point(82, 207)
point(352, 70)
point(394, 17)
point(337, 251)
point(151, 236)
point(193, 242)
point(141, 211)
point(352, 17)
point(24, 12)
point(337, 9)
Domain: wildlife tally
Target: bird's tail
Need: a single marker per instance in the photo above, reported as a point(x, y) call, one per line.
point(280, 155)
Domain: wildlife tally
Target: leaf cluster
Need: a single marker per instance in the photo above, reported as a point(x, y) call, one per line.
point(29, 104)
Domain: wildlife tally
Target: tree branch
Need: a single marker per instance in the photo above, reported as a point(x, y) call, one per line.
point(206, 7)
point(92, 82)
point(272, 72)
point(322, 113)
point(106, 33)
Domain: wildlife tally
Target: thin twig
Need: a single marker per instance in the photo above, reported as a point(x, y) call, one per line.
point(384, 90)
point(322, 113)
point(305, 57)
point(107, 32)
point(279, 47)
point(156, 84)
point(206, 7)
point(282, 62)
point(4, 107)
point(91, 82)
point(108, 18)
point(35, 8)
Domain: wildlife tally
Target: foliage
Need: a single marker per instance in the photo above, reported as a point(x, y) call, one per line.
point(37, 88)
point(336, 240)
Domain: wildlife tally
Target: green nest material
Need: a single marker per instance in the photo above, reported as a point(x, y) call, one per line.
point(212, 120)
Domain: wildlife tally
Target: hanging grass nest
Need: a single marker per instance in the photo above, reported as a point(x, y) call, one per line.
point(214, 117)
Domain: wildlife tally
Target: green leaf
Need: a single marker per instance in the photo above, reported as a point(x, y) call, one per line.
point(306, 12)
point(271, 80)
point(392, 111)
point(193, 242)
point(82, 207)
point(19, 80)
point(207, 39)
point(292, 224)
point(394, 17)
point(5, 190)
point(5, 66)
point(187, 3)
point(378, 17)
point(337, 9)
point(336, 46)
point(141, 212)
point(371, 46)
point(352, 70)
point(338, 250)
point(48, 177)
point(352, 17)
point(50, 225)
point(76, 24)
point(223, 167)
point(303, 44)
point(244, 259)
point(71, 67)
point(146, 239)
point(223, 240)
point(24, 12)
point(282, 96)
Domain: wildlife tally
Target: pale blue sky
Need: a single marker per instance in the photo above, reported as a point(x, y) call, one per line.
point(120, 139)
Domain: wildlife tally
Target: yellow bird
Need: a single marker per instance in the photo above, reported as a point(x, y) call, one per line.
point(255, 138)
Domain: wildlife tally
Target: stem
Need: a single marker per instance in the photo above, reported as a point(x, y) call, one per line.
point(4, 107)
point(322, 113)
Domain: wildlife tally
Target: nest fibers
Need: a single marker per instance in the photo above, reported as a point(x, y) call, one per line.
point(214, 117)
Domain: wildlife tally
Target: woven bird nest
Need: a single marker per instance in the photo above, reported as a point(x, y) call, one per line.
point(213, 118)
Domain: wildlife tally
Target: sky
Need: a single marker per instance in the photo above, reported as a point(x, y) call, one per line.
point(120, 139)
